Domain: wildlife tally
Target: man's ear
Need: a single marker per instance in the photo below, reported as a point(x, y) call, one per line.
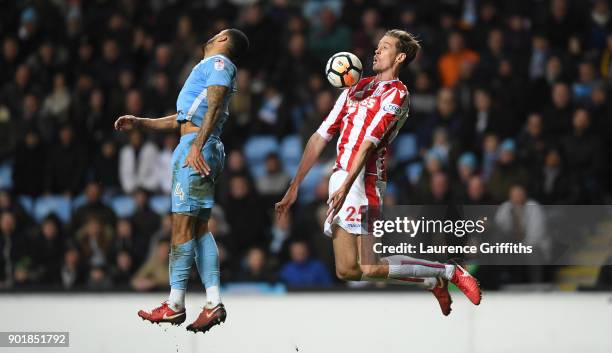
point(400, 57)
point(223, 38)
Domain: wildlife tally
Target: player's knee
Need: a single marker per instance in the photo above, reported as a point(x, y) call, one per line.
point(347, 273)
point(374, 271)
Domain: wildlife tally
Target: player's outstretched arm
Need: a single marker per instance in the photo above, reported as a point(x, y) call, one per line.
point(336, 200)
point(130, 122)
point(313, 149)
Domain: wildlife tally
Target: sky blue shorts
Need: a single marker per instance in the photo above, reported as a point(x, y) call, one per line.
point(193, 194)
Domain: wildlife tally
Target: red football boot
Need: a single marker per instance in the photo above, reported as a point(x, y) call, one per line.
point(208, 318)
point(162, 314)
point(440, 291)
point(467, 284)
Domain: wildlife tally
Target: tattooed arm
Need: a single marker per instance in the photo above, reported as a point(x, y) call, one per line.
point(215, 95)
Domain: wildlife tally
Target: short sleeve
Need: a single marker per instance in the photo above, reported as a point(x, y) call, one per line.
point(393, 106)
point(331, 124)
point(220, 72)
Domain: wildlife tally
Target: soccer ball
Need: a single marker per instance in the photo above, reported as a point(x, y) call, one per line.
point(343, 69)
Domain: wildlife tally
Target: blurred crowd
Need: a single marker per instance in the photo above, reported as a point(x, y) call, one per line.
point(509, 103)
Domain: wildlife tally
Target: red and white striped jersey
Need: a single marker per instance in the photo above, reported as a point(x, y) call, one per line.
point(370, 110)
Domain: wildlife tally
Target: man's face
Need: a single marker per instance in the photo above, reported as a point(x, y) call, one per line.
point(385, 54)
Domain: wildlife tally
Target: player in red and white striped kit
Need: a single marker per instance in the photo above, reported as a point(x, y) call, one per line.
point(368, 116)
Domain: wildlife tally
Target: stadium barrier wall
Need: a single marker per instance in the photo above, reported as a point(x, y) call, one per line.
point(326, 323)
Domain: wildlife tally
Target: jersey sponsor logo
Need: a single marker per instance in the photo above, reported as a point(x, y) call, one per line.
point(219, 64)
point(393, 109)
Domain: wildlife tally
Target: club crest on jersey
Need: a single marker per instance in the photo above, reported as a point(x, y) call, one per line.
point(393, 109)
point(219, 64)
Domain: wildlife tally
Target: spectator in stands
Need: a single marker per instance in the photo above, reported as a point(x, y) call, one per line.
point(507, 172)
point(302, 270)
point(122, 271)
point(451, 62)
point(244, 212)
point(486, 119)
point(94, 124)
point(138, 164)
point(582, 150)
point(329, 37)
point(422, 98)
point(522, 220)
point(439, 192)
point(126, 240)
point(272, 185)
point(55, 107)
point(433, 164)
point(9, 58)
point(557, 118)
point(532, 142)
point(279, 232)
point(446, 116)
point(48, 252)
point(242, 107)
point(93, 207)
point(164, 231)
point(14, 91)
point(29, 165)
point(8, 132)
point(65, 165)
point(98, 279)
point(476, 193)
point(552, 185)
point(94, 239)
point(272, 108)
point(105, 168)
point(9, 204)
point(144, 219)
point(73, 272)
point(466, 169)
point(255, 267)
point(12, 246)
point(154, 273)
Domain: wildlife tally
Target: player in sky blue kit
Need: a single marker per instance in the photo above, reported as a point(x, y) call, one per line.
point(201, 112)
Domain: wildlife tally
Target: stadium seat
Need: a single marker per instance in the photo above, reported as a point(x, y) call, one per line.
point(255, 151)
point(79, 201)
point(124, 206)
point(27, 202)
point(160, 204)
point(6, 175)
point(413, 172)
point(290, 153)
point(404, 147)
point(59, 205)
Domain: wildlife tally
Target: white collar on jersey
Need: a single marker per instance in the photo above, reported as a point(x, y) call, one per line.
point(359, 94)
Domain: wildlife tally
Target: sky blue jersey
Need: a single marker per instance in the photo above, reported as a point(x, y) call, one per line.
point(192, 103)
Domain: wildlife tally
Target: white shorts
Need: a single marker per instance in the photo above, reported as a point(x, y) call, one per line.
point(366, 192)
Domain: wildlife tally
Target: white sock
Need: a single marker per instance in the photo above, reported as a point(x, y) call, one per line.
point(212, 296)
point(425, 283)
point(176, 300)
point(405, 266)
